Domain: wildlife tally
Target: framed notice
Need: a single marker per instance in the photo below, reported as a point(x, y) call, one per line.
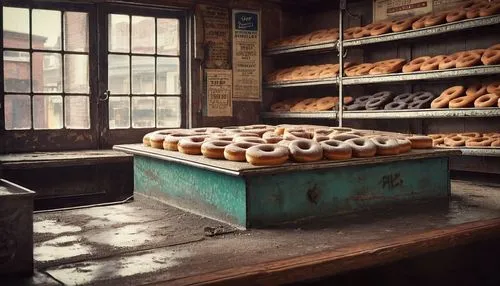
point(219, 91)
point(216, 36)
point(247, 80)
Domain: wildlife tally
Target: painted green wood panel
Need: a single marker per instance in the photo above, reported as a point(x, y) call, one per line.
point(200, 191)
point(289, 196)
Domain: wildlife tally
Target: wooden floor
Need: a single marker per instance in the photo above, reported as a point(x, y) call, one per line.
point(148, 242)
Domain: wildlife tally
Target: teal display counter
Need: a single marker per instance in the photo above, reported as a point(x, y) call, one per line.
point(251, 196)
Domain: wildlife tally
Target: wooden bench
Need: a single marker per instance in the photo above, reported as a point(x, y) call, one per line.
point(73, 178)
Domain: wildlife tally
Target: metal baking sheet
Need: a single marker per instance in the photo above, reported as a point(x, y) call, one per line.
point(423, 113)
point(309, 115)
point(243, 168)
point(476, 151)
point(327, 46)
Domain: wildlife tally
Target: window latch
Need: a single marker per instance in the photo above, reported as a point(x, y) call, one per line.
point(105, 96)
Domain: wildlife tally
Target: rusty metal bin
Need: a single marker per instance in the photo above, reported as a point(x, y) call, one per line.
point(16, 229)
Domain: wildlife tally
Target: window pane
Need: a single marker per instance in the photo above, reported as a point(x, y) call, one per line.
point(143, 35)
point(143, 75)
point(119, 33)
point(76, 73)
point(168, 37)
point(16, 28)
point(118, 74)
point(76, 32)
point(143, 112)
point(47, 72)
point(17, 111)
point(16, 70)
point(119, 112)
point(167, 76)
point(168, 111)
point(76, 112)
point(47, 112)
point(46, 29)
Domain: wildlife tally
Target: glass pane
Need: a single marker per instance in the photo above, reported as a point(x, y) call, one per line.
point(47, 112)
point(118, 74)
point(76, 112)
point(143, 75)
point(119, 112)
point(17, 111)
point(46, 29)
point(76, 73)
point(167, 76)
point(143, 35)
point(76, 32)
point(16, 28)
point(168, 37)
point(119, 33)
point(168, 110)
point(47, 72)
point(16, 70)
point(143, 112)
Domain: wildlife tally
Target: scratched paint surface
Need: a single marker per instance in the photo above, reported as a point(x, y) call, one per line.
point(200, 191)
point(290, 196)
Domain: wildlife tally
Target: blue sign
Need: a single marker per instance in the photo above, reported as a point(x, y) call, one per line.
point(246, 21)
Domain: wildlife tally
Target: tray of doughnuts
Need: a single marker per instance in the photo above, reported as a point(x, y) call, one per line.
point(304, 73)
point(326, 103)
point(466, 140)
point(296, 41)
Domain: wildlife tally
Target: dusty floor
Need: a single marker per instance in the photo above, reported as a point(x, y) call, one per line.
point(146, 241)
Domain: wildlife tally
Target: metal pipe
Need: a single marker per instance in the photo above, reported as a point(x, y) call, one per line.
point(340, 48)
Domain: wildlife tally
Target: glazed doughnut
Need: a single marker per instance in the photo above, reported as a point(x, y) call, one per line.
point(479, 141)
point(455, 15)
point(385, 145)
point(403, 24)
point(280, 107)
point(454, 141)
point(256, 140)
point(493, 87)
point(396, 105)
point(432, 63)
point(362, 69)
point(469, 135)
point(326, 103)
point(305, 150)
point(171, 141)
point(495, 143)
point(303, 105)
point(361, 32)
point(491, 57)
point(380, 28)
point(388, 66)
point(468, 59)
point(343, 137)
point(271, 137)
point(245, 134)
point(420, 142)
point(405, 97)
point(404, 145)
point(487, 100)
point(156, 140)
point(214, 149)
point(415, 64)
point(448, 62)
point(435, 19)
point(491, 9)
point(447, 95)
point(266, 154)
point(362, 147)
point(420, 23)
point(476, 90)
point(191, 145)
point(461, 102)
point(145, 139)
point(237, 151)
point(336, 150)
point(437, 138)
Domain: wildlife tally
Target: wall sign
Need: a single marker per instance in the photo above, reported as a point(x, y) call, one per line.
point(384, 9)
point(216, 36)
point(219, 91)
point(247, 82)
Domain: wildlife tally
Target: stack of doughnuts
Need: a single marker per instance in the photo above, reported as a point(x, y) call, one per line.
point(309, 104)
point(479, 96)
point(468, 139)
point(274, 145)
point(390, 101)
point(469, 10)
point(307, 72)
point(315, 37)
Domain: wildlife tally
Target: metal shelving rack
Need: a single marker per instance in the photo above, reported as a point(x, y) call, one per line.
point(423, 113)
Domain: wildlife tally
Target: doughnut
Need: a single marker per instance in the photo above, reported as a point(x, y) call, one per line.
point(354, 106)
point(324, 132)
point(491, 57)
point(423, 96)
point(245, 134)
point(214, 149)
point(387, 66)
point(222, 137)
point(171, 141)
point(156, 140)
point(256, 140)
point(447, 95)
point(437, 138)
point(494, 47)
point(303, 105)
point(280, 107)
point(386, 146)
point(295, 133)
point(324, 35)
point(448, 62)
point(491, 9)
point(305, 150)
point(492, 135)
point(237, 151)
point(191, 145)
point(419, 104)
point(145, 139)
point(403, 24)
point(362, 99)
point(420, 23)
point(493, 87)
point(435, 19)
point(271, 137)
point(205, 130)
point(362, 69)
point(469, 135)
point(379, 100)
point(454, 141)
point(336, 150)
point(405, 97)
point(404, 145)
point(432, 63)
point(349, 33)
point(396, 105)
point(362, 147)
point(476, 90)
point(461, 102)
point(475, 9)
point(326, 103)
point(487, 100)
point(468, 59)
point(380, 28)
point(343, 137)
point(495, 143)
point(415, 64)
point(342, 129)
point(420, 142)
point(455, 15)
point(266, 154)
point(479, 141)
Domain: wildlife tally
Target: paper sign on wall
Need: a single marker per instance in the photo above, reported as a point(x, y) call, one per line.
point(384, 9)
point(216, 36)
point(219, 92)
point(247, 83)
